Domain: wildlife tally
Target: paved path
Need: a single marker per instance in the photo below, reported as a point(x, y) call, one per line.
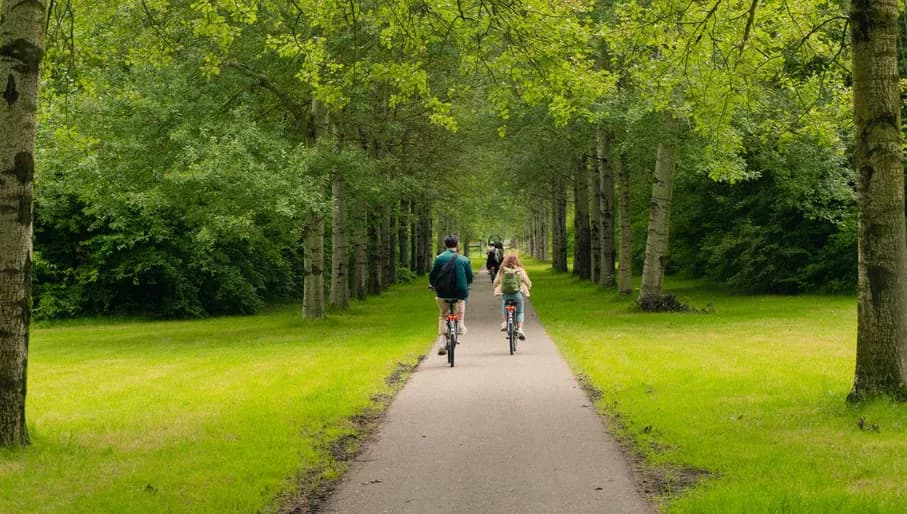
point(496, 433)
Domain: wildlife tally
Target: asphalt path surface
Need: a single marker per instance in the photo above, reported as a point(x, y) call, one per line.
point(495, 433)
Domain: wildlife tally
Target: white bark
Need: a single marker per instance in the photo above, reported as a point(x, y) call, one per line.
point(659, 216)
point(21, 51)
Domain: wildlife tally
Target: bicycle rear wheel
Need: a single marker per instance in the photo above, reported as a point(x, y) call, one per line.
point(451, 341)
point(511, 333)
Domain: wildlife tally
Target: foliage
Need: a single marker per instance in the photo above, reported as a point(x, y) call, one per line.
point(791, 229)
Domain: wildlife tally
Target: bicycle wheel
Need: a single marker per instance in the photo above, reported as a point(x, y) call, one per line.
point(511, 333)
point(451, 341)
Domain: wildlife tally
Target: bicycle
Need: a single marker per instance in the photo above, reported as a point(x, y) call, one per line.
point(510, 306)
point(450, 340)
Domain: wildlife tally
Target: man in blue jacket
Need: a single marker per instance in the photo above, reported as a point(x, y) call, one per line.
point(451, 282)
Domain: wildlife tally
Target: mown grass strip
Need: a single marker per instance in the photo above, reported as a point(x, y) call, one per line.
point(218, 415)
point(745, 404)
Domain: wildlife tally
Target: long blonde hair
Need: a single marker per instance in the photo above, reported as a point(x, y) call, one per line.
point(511, 260)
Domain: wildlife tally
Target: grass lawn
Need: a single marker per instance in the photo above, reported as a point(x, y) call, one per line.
point(218, 415)
point(753, 393)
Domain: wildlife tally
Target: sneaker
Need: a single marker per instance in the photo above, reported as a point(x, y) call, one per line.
point(503, 326)
point(461, 330)
point(442, 351)
point(521, 335)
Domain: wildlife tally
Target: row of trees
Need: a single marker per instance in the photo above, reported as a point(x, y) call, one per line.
point(200, 157)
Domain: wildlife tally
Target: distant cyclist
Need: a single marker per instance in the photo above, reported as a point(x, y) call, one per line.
point(494, 258)
point(451, 280)
point(512, 283)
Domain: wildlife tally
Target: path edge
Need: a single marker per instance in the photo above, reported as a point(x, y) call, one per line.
point(657, 484)
point(312, 488)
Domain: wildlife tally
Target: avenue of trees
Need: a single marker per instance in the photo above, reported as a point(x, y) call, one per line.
point(192, 158)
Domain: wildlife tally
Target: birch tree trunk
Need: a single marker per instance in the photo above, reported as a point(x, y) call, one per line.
point(313, 268)
point(582, 247)
point(625, 261)
point(340, 259)
point(659, 217)
point(605, 152)
point(881, 364)
point(559, 226)
point(595, 218)
point(21, 51)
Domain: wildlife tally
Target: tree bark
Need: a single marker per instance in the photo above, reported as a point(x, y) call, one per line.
point(391, 238)
point(360, 280)
point(625, 261)
point(559, 225)
point(376, 251)
point(313, 268)
point(605, 152)
point(403, 233)
point(881, 363)
point(21, 52)
point(582, 250)
point(659, 216)
point(340, 259)
point(595, 217)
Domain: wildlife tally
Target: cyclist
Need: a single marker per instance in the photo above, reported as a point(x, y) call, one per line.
point(512, 283)
point(494, 257)
point(451, 282)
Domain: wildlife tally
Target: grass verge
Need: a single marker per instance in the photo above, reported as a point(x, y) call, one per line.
point(222, 415)
point(743, 409)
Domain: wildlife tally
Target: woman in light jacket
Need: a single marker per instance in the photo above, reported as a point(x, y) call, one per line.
point(509, 268)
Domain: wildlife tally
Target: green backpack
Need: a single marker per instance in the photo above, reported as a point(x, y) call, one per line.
point(510, 282)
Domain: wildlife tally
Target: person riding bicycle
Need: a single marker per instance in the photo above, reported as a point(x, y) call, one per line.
point(451, 280)
point(512, 283)
point(494, 257)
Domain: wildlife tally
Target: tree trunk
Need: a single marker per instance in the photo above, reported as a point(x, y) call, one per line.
point(376, 252)
point(881, 365)
point(313, 272)
point(403, 234)
point(542, 220)
point(595, 217)
point(605, 154)
point(360, 280)
point(625, 261)
point(340, 259)
point(559, 226)
point(428, 250)
point(21, 51)
point(659, 217)
point(582, 252)
point(391, 238)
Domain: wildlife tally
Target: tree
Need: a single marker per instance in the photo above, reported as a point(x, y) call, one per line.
point(22, 25)
point(881, 365)
point(650, 290)
point(582, 254)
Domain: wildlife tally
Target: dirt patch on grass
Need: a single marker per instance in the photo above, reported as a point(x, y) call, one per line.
point(315, 486)
point(657, 483)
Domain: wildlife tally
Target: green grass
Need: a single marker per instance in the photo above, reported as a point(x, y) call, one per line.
point(219, 415)
point(754, 393)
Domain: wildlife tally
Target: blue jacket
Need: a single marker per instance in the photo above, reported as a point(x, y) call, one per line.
point(463, 270)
